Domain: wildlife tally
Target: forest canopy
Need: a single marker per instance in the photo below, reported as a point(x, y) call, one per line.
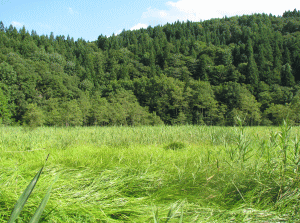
point(206, 72)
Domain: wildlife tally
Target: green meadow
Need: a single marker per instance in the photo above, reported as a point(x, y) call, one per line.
point(153, 174)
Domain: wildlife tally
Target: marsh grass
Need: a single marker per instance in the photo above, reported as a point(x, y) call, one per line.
point(175, 145)
point(126, 174)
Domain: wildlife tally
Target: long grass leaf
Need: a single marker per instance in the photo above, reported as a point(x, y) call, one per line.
point(181, 215)
point(170, 213)
point(155, 216)
point(38, 213)
point(24, 197)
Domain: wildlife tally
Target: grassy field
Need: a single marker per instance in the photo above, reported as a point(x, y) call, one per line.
point(145, 174)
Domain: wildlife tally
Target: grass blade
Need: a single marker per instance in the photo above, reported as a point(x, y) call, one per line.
point(170, 213)
point(38, 213)
point(155, 216)
point(24, 197)
point(181, 216)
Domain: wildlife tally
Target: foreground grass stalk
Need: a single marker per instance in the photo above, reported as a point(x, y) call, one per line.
point(296, 158)
point(155, 216)
point(272, 145)
point(24, 197)
point(238, 191)
point(242, 142)
point(171, 214)
point(284, 137)
point(37, 215)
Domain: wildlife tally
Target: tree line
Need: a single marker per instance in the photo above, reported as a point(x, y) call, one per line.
point(206, 72)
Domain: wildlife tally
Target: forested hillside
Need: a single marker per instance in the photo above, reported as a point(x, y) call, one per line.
point(206, 72)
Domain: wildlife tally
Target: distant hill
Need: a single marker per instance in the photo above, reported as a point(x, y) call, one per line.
point(207, 72)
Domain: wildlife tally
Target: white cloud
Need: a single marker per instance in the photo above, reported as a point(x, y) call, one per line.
point(17, 24)
point(218, 8)
point(115, 33)
point(118, 32)
point(154, 13)
point(163, 14)
point(139, 26)
point(72, 11)
point(155, 16)
point(196, 10)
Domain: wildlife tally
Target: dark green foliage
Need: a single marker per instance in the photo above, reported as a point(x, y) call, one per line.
point(277, 113)
point(239, 102)
point(287, 78)
point(203, 104)
point(181, 73)
point(123, 109)
point(252, 76)
point(175, 146)
point(4, 110)
point(34, 116)
point(294, 13)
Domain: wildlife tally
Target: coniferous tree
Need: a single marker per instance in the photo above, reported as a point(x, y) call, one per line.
point(287, 78)
point(261, 60)
point(2, 28)
point(277, 64)
point(286, 56)
point(5, 113)
point(252, 77)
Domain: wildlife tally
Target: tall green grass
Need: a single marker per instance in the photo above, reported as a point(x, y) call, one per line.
point(24, 197)
point(148, 174)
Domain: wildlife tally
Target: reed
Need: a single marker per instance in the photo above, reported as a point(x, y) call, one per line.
point(118, 174)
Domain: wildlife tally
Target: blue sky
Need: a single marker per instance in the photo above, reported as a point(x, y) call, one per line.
point(89, 19)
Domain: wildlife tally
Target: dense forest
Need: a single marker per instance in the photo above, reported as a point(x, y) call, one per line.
point(208, 72)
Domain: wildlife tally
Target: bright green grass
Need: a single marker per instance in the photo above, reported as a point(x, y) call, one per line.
point(125, 174)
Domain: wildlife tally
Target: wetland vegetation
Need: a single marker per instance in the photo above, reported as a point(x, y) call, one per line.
point(144, 174)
